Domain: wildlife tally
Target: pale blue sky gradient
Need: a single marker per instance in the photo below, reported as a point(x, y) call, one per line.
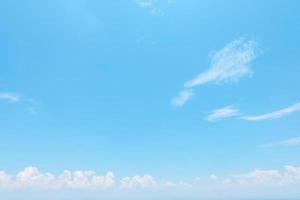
point(95, 81)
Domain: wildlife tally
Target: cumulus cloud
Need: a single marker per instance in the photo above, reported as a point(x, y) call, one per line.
point(138, 182)
point(182, 97)
point(32, 178)
point(228, 64)
point(274, 115)
point(10, 97)
point(223, 113)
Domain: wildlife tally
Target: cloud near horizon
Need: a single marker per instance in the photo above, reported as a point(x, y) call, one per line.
point(32, 178)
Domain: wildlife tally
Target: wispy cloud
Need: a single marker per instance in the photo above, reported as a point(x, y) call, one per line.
point(223, 113)
point(288, 142)
point(274, 115)
point(182, 97)
point(150, 5)
point(10, 97)
point(228, 64)
point(144, 3)
point(13, 97)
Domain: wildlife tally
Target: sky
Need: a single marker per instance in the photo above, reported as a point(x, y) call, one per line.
point(149, 99)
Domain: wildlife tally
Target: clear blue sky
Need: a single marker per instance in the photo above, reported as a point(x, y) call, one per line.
point(90, 85)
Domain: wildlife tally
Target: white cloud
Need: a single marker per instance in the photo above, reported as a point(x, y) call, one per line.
point(144, 3)
point(32, 178)
point(138, 182)
point(223, 113)
point(182, 97)
point(260, 177)
point(274, 115)
point(151, 6)
point(10, 97)
point(213, 177)
point(288, 142)
point(228, 64)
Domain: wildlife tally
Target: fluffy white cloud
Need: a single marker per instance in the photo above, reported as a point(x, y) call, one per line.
point(32, 178)
point(138, 182)
point(228, 64)
point(274, 115)
point(213, 177)
point(182, 97)
point(222, 113)
point(10, 97)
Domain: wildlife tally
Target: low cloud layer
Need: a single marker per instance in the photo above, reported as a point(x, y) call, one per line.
point(32, 178)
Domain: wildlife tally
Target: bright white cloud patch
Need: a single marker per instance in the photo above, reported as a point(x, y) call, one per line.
point(274, 115)
point(228, 64)
point(182, 97)
point(10, 97)
point(138, 182)
point(32, 178)
point(223, 113)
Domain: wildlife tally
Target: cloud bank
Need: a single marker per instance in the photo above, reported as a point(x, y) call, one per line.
point(32, 178)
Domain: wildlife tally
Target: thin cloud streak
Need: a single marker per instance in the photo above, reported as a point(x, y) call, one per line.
point(10, 97)
point(288, 142)
point(182, 98)
point(274, 115)
point(223, 113)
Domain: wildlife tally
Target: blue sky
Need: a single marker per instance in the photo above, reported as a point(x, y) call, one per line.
point(167, 93)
